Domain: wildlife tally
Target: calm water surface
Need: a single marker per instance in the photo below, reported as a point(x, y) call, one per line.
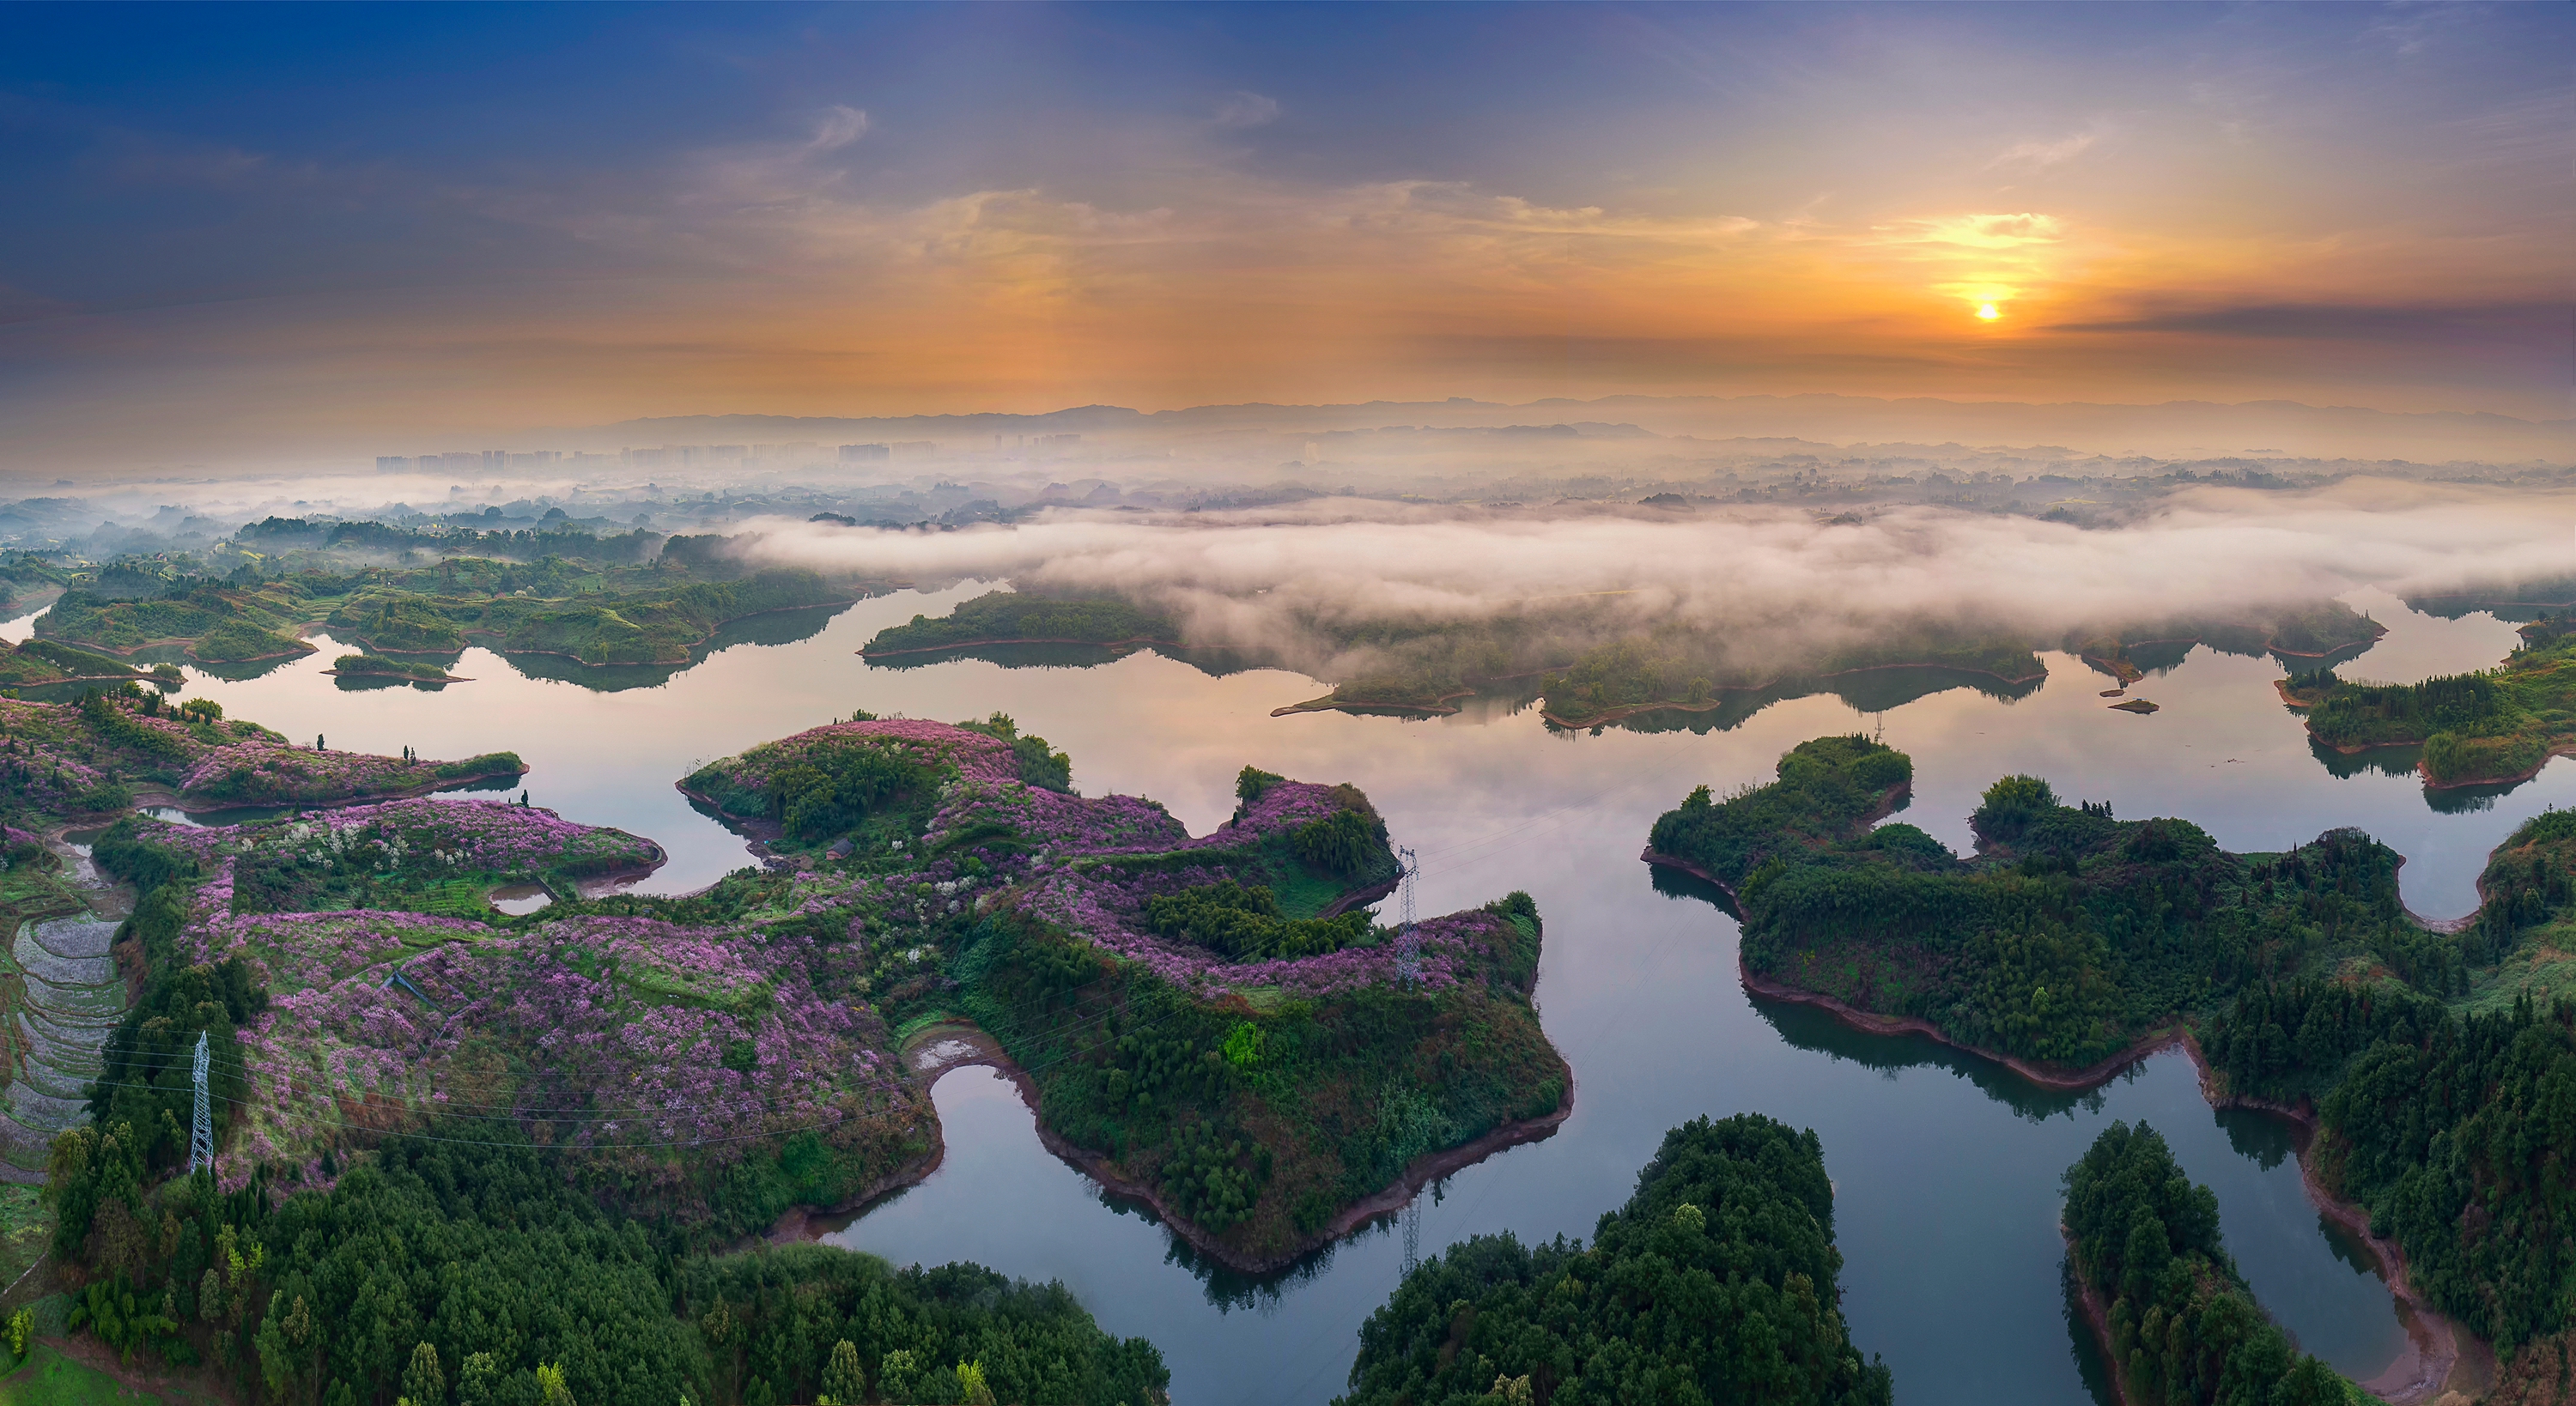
point(1946, 1170)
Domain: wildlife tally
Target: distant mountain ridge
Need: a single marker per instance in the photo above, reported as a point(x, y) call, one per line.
point(2170, 429)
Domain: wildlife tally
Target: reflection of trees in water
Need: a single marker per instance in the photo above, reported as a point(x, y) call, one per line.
point(1676, 883)
point(2401, 761)
point(2080, 1342)
point(1866, 690)
point(1215, 663)
point(1811, 1028)
point(1230, 1289)
point(776, 627)
point(2387, 761)
point(2267, 1139)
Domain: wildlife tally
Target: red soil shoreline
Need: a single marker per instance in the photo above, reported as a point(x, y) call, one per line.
point(2438, 1349)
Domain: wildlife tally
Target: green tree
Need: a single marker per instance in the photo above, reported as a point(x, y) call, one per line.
point(423, 1383)
point(844, 1382)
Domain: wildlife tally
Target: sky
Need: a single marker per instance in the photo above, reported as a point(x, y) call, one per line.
point(286, 227)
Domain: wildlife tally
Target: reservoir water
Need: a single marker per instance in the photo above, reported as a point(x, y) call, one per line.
point(1946, 1168)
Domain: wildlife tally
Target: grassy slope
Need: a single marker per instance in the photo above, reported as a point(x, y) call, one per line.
point(48, 1378)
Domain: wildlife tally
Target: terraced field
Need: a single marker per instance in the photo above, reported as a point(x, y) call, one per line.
point(63, 998)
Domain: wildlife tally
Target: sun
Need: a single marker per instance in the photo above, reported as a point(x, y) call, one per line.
point(1986, 312)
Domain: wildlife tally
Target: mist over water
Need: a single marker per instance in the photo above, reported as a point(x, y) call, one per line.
point(1782, 586)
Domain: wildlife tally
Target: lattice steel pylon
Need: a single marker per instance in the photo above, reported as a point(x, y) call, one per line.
point(1408, 948)
point(201, 1131)
point(1412, 1236)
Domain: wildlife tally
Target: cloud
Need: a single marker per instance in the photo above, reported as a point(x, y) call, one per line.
point(2044, 154)
point(2346, 321)
point(1247, 109)
point(1778, 586)
point(1977, 231)
point(838, 127)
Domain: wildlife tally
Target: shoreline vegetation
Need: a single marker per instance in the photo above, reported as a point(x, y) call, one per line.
point(2498, 727)
point(1585, 666)
point(2072, 945)
point(1207, 1025)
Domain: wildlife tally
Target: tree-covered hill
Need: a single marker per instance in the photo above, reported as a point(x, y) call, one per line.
point(1718, 1281)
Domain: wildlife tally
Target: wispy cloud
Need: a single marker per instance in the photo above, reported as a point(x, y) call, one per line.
point(1977, 231)
point(838, 127)
point(2045, 154)
point(1247, 109)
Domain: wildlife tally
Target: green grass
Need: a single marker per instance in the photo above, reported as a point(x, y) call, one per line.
point(51, 1379)
point(25, 1226)
point(2544, 964)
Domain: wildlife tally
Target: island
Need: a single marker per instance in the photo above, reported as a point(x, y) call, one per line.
point(1211, 1026)
point(2073, 943)
point(1734, 1218)
point(1005, 619)
point(358, 668)
point(2484, 729)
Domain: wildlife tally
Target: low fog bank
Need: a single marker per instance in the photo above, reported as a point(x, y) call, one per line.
point(1449, 448)
point(1300, 582)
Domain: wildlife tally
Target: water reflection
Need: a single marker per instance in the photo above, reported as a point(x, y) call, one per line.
point(1809, 1028)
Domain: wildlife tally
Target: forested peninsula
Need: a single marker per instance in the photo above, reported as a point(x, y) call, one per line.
point(2481, 729)
point(2438, 1069)
point(1208, 1024)
point(2177, 1324)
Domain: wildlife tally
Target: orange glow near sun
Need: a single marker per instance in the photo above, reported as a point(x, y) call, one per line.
point(1986, 312)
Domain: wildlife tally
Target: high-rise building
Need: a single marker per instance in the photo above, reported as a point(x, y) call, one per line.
point(393, 463)
point(496, 459)
point(863, 453)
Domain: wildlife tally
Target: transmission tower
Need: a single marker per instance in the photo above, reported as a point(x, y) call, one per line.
point(1412, 1236)
point(1408, 947)
point(201, 1133)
